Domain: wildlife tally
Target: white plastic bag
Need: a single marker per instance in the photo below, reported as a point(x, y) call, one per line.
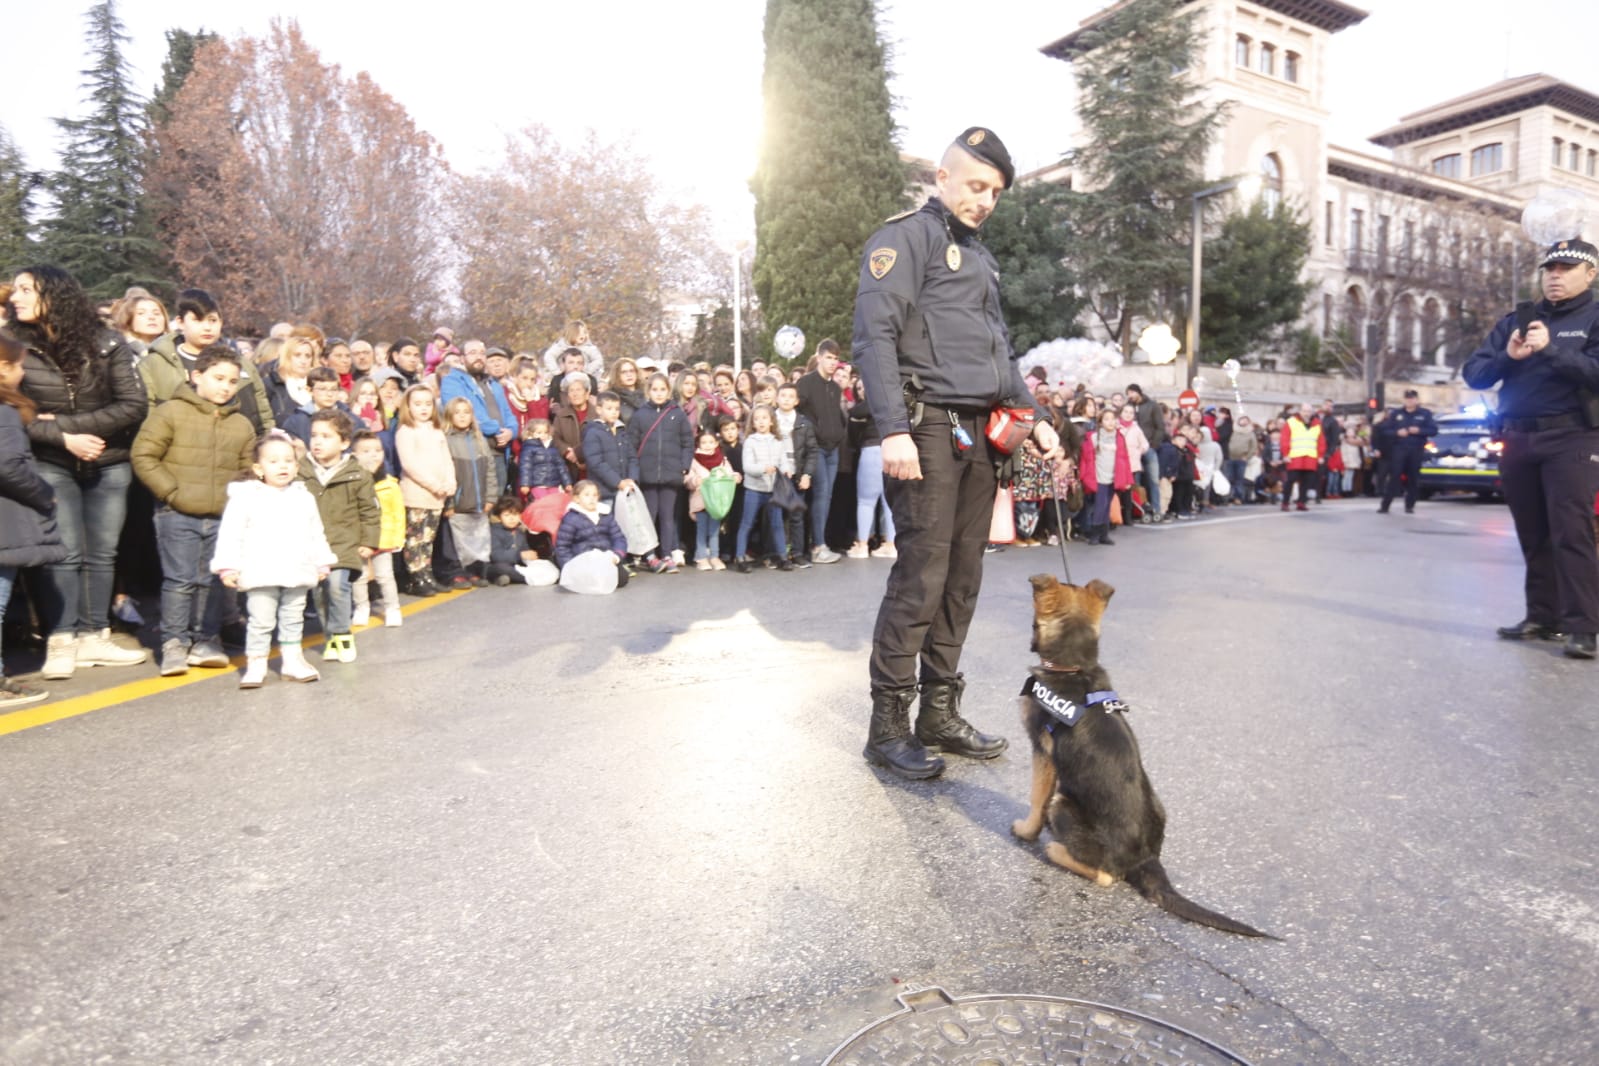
point(633, 516)
point(1254, 468)
point(539, 572)
point(1220, 484)
point(591, 574)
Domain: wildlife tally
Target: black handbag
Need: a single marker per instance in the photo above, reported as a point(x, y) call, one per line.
point(786, 496)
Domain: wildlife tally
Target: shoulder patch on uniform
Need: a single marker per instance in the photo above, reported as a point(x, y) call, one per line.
point(902, 214)
point(880, 261)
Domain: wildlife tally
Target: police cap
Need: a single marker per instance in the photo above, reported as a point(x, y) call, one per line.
point(985, 144)
point(1571, 252)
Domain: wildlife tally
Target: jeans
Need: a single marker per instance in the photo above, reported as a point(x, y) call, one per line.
point(755, 504)
point(8, 580)
point(708, 536)
point(1152, 480)
point(869, 496)
point(821, 495)
point(186, 543)
point(661, 500)
point(383, 574)
point(269, 607)
point(1234, 471)
point(90, 512)
point(334, 601)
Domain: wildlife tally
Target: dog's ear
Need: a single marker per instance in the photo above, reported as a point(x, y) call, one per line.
point(1100, 589)
point(1043, 583)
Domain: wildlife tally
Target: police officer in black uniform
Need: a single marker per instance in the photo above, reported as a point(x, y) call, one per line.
point(1549, 365)
point(935, 357)
point(1403, 436)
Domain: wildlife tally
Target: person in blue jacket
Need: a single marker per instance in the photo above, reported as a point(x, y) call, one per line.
point(28, 533)
point(612, 458)
point(665, 441)
point(589, 526)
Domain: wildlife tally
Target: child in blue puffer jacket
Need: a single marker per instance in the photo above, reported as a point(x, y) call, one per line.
point(541, 469)
point(586, 527)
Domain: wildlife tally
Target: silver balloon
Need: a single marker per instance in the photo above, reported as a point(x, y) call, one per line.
point(1555, 215)
point(789, 342)
point(1232, 367)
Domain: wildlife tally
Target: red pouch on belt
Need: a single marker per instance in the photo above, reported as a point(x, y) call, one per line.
point(1009, 427)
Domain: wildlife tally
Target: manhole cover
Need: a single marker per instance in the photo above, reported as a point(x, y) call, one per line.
point(1021, 1031)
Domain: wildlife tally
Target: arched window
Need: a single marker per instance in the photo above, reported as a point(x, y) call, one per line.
point(1431, 321)
point(1268, 59)
point(1355, 317)
point(1405, 327)
point(1271, 183)
point(1241, 52)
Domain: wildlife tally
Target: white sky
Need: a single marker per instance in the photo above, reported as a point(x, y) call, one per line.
point(682, 80)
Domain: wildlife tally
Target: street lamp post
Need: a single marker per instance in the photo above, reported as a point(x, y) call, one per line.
point(1250, 185)
point(738, 308)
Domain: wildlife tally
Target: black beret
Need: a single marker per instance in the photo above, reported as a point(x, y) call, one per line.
point(985, 145)
point(1571, 252)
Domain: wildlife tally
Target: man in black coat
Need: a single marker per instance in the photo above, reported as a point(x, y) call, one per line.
point(821, 401)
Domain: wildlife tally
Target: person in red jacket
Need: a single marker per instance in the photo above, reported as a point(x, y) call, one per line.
point(1303, 449)
point(1105, 469)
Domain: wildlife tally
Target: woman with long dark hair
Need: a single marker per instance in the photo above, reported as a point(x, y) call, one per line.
point(90, 404)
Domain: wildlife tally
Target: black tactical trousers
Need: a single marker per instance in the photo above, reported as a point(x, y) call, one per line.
point(941, 528)
point(1550, 477)
point(1406, 461)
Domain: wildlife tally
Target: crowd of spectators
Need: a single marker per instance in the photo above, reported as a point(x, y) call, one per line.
point(249, 477)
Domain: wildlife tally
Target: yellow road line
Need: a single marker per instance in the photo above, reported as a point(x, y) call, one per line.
point(45, 713)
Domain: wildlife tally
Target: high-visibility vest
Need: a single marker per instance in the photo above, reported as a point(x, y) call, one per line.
point(1302, 439)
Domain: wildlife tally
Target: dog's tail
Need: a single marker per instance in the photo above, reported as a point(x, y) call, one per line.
point(1152, 883)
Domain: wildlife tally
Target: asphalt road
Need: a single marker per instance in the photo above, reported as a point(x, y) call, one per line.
point(531, 827)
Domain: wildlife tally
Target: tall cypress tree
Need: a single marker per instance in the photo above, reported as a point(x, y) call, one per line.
point(16, 193)
point(98, 232)
point(175, 68)
point(1143, 157)
point(829, 170)
point(1030, 236)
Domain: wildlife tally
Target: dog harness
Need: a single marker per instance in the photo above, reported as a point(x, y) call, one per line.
point(1063, 710)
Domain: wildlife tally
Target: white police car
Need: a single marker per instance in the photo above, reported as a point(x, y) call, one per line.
point(1463, 457)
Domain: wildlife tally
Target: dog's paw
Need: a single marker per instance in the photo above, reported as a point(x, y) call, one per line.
point(1022, 829)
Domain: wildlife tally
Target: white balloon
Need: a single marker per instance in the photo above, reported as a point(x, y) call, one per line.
point(1555, 215)
point(789, 342)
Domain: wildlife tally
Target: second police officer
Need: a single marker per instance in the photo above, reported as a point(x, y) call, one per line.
point(1402, 442)
point(1547, 357)
point(935, 357)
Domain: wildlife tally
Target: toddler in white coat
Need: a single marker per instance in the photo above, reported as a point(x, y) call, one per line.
point(271, 544)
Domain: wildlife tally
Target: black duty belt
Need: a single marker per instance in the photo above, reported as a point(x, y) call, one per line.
point(1534, 425)
point(956, 414)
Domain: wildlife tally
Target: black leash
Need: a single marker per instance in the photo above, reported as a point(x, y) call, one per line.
point(1064, 535)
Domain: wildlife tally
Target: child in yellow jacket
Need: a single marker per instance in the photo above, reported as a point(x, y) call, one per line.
point(368, 450)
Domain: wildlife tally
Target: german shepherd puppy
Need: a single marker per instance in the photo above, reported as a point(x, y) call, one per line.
point(1105, 818)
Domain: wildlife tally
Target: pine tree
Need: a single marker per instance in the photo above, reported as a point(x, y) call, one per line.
point(1252, 286)
point(829, 171)
point(98, 232)
point(175, 68)
point(17, 184)
point(1144, 147)
point(1030, 235)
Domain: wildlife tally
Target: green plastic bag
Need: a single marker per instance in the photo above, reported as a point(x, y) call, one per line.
point(717, 491)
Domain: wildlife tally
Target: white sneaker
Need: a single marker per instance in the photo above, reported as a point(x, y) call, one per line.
point(360, 616)
point(885, 551)
point(393, 618)
point(858, 550)
point(60, 656)
point(677, 557)
point(98, 649)
point(825, 554)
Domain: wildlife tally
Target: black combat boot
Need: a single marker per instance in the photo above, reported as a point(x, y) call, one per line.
point(940, 726)
point(889, 742)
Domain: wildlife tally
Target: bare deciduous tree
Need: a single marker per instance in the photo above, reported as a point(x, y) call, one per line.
point(292, 191)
